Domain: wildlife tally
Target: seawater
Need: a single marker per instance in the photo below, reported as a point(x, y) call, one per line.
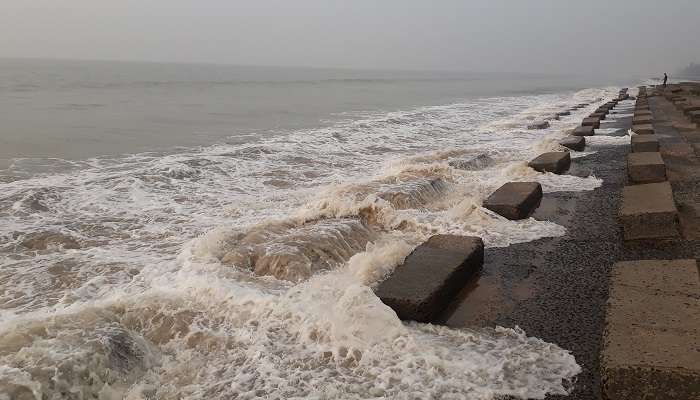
point(240, 263)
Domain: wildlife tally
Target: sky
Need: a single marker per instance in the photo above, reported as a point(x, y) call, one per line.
point(637, 37)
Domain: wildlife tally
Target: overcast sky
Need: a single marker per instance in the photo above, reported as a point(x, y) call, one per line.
point(593, 36)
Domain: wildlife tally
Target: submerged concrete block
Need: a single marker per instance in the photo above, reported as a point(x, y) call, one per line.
point(563, 113)
point(576, 143)
point(648, 211)
point(646, 167)
point(645, 143)
point(538, 125)
point(431, 276)
point(515, 200)
point(591, 121)
point(584, 131)
point(645, 129)
point(557, 162)
point(652, 331)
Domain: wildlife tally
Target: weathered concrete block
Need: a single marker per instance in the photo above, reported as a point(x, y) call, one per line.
point(694, 116)
point(538, 125)
point(584, 131)
point(591, 121)
point(642, 119)
point(646, 167)
point(648, 211)
point(690, 108)
point(515, 200)
point(563, 113)
point(599, 115)
point(642, 113)
point(645, 129)
point(431, 276)
point(576, 143)
point(652, 331)
point(645, 143)
point(557, 162)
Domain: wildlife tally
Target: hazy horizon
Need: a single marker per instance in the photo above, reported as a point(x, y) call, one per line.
point(634, 38)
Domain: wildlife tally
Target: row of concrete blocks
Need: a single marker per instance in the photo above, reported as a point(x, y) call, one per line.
point(434, 273)
point(648, 210)
point(686, 104)
point(653, 310)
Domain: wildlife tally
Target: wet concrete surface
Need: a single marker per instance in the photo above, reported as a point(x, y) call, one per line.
point(556, 288)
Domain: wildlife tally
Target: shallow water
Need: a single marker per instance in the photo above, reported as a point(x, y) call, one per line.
point(244, 268)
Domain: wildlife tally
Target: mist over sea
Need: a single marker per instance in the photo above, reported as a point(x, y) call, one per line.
point(214, 232)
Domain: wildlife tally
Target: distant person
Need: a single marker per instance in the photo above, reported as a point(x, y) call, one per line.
point(665, 79)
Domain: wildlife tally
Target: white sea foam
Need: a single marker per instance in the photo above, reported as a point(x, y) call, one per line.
point(246, 268)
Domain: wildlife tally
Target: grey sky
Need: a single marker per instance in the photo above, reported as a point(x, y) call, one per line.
point(594, 36)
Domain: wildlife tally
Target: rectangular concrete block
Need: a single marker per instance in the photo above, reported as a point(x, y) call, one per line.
point(599, 115)
point(694, 116)
point(642, 113)
point(591, 121)
point(431, 276)
point(642, 119)
point(576, 143)
point(645, 143)
point(515, 200)
point(645, 129)
point(651, 336)
point(690, 108)
point(563, 113)
point(584, 131)
point(648, 211)
point(557, 162)
point(646, 167)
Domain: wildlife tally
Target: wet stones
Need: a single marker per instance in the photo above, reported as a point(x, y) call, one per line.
point(584, 131)
point(576, 143)
point(646, 167)
point(431, 276)
point(591, 121)
point(651, 331)
point(646, 129)
point(538, 125)
point(648, 211)
point(515, 200)
point(556, 162)
point(645, 143)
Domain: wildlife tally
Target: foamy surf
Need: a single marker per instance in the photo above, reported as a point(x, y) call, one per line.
point(246, 269)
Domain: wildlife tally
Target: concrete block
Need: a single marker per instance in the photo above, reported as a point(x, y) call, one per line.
point(584, 131)
point(563, 113)
point(591, 121)
point(642, 119)
point(557, 162)
point(646, 167)
point(648, 211)
point(645, 143)
point(690, 108)
point(651, 336)
point(576, 143)
point(644, 129)
point(694, 116)
point(431, 276)
point(599, 115)
point(642, 112)
point(538, 125)
point(515, 200)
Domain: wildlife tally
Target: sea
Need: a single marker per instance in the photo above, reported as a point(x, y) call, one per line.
point(175, 231)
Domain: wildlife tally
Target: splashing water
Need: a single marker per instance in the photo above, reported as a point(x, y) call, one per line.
point(245, 270)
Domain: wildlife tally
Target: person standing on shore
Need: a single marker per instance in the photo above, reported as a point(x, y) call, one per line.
point(665, 79)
